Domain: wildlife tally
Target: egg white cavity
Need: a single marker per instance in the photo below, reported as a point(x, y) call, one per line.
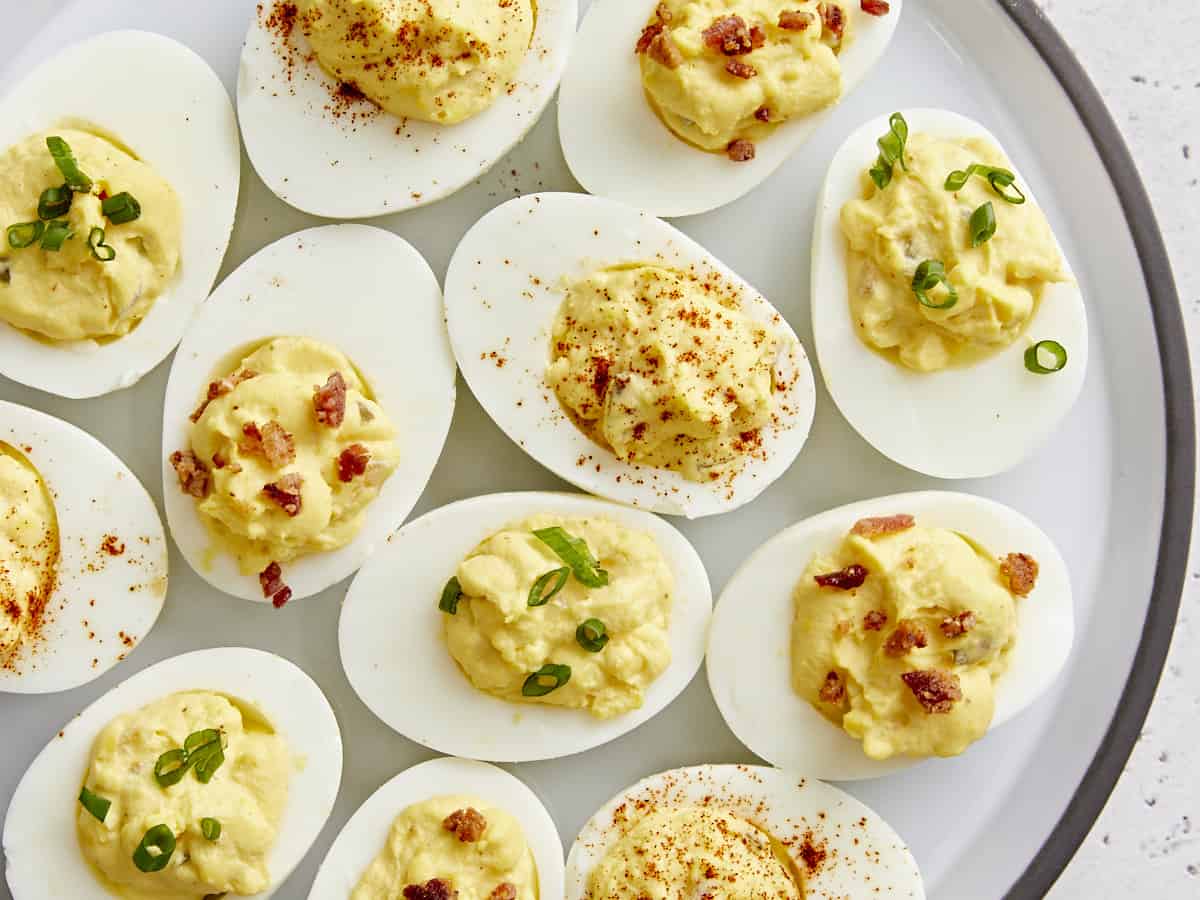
point(103, 604)
point(393, 650)
point(755, 611)
point(617, 147)
point(372, 296)
point(366, 833)
point(863, 853)
point(964, 421)
point(181, 122)
point(503, 291)
point(365, 162)
point(40, 846)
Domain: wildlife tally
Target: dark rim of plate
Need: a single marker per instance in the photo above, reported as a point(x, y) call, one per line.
point(1175, 535)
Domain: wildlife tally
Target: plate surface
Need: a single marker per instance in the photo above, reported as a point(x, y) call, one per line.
point(1097, 488)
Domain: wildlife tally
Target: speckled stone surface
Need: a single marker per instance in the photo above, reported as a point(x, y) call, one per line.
point(1143, 58)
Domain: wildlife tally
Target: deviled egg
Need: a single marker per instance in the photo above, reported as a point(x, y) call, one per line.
point(452, 824)
point(740, 833)
point(83, 557)
point(624, 357)
point(117, 199)
point(683, 106)
point(550, 624)
point(950, 329)
point(305, 411)
point(889, 631)
point(207, 773)
point(360, 108)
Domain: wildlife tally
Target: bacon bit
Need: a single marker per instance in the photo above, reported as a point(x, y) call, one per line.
point(220, 389)
point(194, 478)
point(505, 891)
point(833, 690)
point(956, 626)
point(353, 461)
point(1021, 570)
point(468, 825)
point(739, 69)
point(649, 33)
point(762, 114)
point(834, 21)
point(664, 51)
point(876, 527)
point(847, 579)
point(907, 636)
point(271, 579)
point(794, 20)
point(729, 35)
point(286, 492)
point(758, 37)
point(272, 443)
point(875, 620)
point(740, 150)
point(434, 889)
point(934, 689)
point(329, 402)
point(876, 7)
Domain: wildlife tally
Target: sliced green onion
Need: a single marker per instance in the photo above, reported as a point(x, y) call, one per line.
point(929, 275)
point(154, 852)
point(538, 596)
point(121, 208)
point(548, 678)
point(65, 160)
point(57, 233)
point(891, 151)
point(100, 250)
point(983, 224)
point(170, 768)
point(999, 179)
point(451, 594)
point(94, 803)
point(575, 553)
point(206, 760)
point(592, 635)
point(54, 202)
point(25, 234)
point(198, 739)
point(210, 828)
point(1033, 360)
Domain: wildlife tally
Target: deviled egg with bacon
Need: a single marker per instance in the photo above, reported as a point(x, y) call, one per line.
point(624, 357)
point(296, 439)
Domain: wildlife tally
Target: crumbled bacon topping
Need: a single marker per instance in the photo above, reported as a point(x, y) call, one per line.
point(353, 462)
point(758, 37)
point(649, 33)
point(664, 51)
point(271, 579)
point(833, 690)
point(194, 477)
point(505, 891)
point(272, 442)
point(934, 689)
point(956, 626)
point(794, 20)
point(739, 69)
point(762, 114)
point(329, 401)
point(875, 620)
point(847, 579)
point(434, 889)
point(729, 35)
point(881, 525)
point(286, 492)
point(834, 20)
point(468, 825)
point(740, 150)
point(876, 7)
point(907, 636)
point(1021, 570)
point(220, 389)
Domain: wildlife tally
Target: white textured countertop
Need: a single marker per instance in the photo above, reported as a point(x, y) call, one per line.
point(1147, 843)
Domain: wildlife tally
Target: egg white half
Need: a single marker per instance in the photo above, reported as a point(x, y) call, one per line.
point(395, 656)
point(617, 147)
point(962, 422)
point(104, 602)
point(178, 120)
point(503, 290)
point(366, 833)
point(754, 616)
point(365, 162)
point(863, 855)
point(372, 296)
point(40, 845)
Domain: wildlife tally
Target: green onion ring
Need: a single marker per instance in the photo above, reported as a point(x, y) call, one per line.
point(206, 760)
point(983, 224)
point(538, 596)
point(171, 766)
point(94, 803)
point(210, 828)
point(451, 594)
point(121, 208)
point(998, 178)
point(592, 636)
point(198, 739)
point(25, 234)
point(1033, 361)
point(929, 275)
point(65, 160)
point(574, 552)
point(891, 151)
point(160, 838)
point(100, 250)
point(535, 685)
point(57, 233)
point(55, 202)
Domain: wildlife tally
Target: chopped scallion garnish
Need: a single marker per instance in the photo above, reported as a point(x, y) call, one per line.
point(928, 276)
point(999, 179)
point(100, 250)
point(548, 678)
point(983, 224)
point(1033, 358)
point(210, 828)
point(94, 803)
point(65, 160)
point(538, 595)
point(121, 208)
point(55, 202)
point(57, 233)
point(25, 234)
point(154, 852)
point(451, 594)
point(575, 553)
point(592, 636)
point(891, 151)
point(170, 767)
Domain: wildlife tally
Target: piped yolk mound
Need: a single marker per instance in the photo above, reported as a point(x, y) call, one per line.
point(29, 549)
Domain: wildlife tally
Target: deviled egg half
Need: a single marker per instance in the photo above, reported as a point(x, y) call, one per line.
point(889, 631)
point(306, 409)
point(360, 108)
point(446, 828)
point(739, 833)
point(207, 773)
point(550, 624)
point(950, 329)
point(683, 106)
point(83, 557)
point(117, 199)
point(624, 357)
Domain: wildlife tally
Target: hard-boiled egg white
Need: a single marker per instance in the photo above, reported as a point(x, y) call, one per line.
point(339, 159)
point(112, 567)
point(503, 290)
point(617, 147)
point(40, 845)
point(364, 291)
point(178, 120)
point(840, 847)
point(366, 833)
point(755, 611)
point(393, 651)
point(964, 421)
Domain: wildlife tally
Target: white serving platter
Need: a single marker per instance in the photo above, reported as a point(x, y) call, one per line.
point(1113, 487)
